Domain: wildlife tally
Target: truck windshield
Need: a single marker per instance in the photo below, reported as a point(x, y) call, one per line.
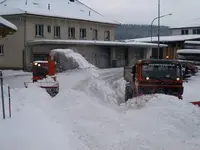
point(161, 71)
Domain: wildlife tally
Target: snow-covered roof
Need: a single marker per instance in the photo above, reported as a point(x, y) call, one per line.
point(5, 23)
point(90, 42)
point(174, 38)
point(188, 51)
point(53, 8)
point(188, 24)
point(192, 42)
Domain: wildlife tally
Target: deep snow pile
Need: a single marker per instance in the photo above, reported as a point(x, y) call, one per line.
point(67, 59)
point(33, 128)
point(75, 120)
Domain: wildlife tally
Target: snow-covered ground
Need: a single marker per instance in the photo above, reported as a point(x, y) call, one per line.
point(89, 113)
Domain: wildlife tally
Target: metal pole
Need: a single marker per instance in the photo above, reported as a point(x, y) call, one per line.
point(158, 29)
point(2, 95)
point(9, 101)
point(154, 20)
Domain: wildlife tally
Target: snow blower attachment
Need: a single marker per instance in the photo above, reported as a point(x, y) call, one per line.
point(154, 76)
point(44, 76)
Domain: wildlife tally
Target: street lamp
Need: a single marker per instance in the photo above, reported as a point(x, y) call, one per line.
point(156, 19)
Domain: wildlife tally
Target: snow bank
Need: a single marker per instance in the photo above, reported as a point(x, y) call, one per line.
point(32, 125)
point(161, 122)
point(68, 59)
point(14, 73)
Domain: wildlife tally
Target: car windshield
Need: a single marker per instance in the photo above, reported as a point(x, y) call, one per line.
point(161, 71)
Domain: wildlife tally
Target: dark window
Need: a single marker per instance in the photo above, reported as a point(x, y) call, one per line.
point(49, 29)
point(39, 30)
point(71, 32)
point(198, 31)
point(107, 35)
point(186, 32)
point(94, 34)
point(1, 50)
point(194, 31)
point(182, 32)
point(56, 31)
point(82, 33)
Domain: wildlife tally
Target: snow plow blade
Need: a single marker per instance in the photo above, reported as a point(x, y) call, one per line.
point(52, 88)
point(197, 103)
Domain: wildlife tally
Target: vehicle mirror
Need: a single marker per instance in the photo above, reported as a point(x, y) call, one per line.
point(133, 69)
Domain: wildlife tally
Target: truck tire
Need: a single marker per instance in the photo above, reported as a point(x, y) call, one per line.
point(128, 92)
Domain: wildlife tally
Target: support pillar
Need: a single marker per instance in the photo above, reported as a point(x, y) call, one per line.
point(113, 57)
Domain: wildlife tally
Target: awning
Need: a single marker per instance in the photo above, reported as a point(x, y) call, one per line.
point(99, 43)
point(6, 27)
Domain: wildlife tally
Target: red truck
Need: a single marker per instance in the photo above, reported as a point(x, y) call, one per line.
point(151, 76)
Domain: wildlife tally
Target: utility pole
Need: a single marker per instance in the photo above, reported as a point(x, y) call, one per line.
point(158, 29)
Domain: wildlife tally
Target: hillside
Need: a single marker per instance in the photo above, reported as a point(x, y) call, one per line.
point(129, 31)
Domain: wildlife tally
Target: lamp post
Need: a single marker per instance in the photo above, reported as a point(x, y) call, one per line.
point(156, 19)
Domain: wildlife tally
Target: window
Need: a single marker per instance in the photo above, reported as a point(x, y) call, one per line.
point(194, 31)
point(49, 29)
point(1, 50)
point(82, 33)
point(107, 35)
point(94, 34)
point(71, 32)
point(39, 30)
point(184, 32)
point(56, 31)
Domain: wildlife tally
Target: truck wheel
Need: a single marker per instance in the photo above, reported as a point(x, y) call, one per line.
point(128, 93)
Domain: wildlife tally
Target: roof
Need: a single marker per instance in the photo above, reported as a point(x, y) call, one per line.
point(159, 60)
point(173, 38)
point(192, 42)
point(90, 42)
point(189, 24)
point(53, 8)
point(188, 51)
point(7, 24)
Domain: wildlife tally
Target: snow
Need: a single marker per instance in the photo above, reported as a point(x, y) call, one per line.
point(192, 42)
point(8, 24)
point(73, 59)
point(188, 51)
point(59, 8)
point(93, 42)
point(89, 113)
point(172, 38)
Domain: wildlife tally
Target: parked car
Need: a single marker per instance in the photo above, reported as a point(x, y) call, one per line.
point(186, 70)
point(192, 68)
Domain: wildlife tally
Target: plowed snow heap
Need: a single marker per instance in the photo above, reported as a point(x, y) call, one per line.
point(67, 59)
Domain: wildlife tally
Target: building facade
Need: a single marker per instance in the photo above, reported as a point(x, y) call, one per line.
point(192, 30)
point(31, 27)
point(61, 22)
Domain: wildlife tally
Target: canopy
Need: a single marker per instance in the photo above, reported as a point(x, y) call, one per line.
point(6, 27)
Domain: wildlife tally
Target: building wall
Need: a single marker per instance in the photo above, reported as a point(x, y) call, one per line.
point(64, 24)
point(179, 31)
point(135, 54)
point(96, 55)
point(13, 45)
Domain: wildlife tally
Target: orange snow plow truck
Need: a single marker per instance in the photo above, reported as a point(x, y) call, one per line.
point(41, 70)
point(152, 76)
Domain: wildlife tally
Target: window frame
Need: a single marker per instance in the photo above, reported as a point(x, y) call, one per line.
point(83, 33)
point(1, 50)
point(71, 34)
point(57, 32)
point(39, 30)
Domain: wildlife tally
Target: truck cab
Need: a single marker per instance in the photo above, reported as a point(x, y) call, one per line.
point(154, 76)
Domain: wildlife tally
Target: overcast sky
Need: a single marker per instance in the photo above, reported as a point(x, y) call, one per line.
point(144, 11)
